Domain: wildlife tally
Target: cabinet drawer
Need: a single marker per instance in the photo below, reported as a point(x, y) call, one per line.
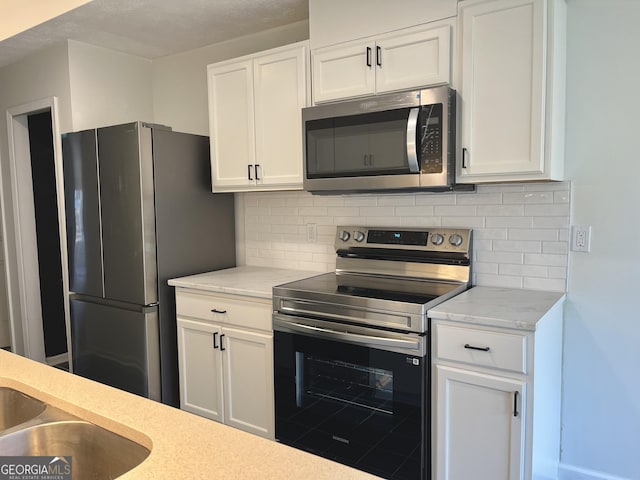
point(485, 348)
point(228, 310)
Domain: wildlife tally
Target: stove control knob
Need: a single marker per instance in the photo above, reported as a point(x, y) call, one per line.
point(344, 235)
point(358, 236)
point(455, 240)
point(437, 239)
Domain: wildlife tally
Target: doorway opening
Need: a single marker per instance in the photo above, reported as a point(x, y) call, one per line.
point(37, 284)
point(43, 176)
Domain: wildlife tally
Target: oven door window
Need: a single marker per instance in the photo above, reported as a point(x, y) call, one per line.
point(359, 406)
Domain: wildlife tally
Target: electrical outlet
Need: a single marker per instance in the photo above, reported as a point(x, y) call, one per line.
point(312, 233)
point(581, 238)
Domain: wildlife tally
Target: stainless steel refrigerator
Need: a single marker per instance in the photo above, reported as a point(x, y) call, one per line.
point(139, 211)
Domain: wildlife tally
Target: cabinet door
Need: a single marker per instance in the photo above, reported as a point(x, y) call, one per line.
point(248, 378)
point(231, 124)
point(410, 60)
point(280, 94)
point(502, 89)
point(342, 71)
point(479, 426)
point(200, 369)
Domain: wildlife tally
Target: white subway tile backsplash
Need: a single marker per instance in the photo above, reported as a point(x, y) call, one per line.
point(555, 247)
point(360, 201)
point(420, 222)
point(455, 210)
point(414, 211)
point(554, 284)
point(527, 246)
point(468, 222)
point(483, 267)
point(524, 270)
point(501, 210)
point(376, 212)
point(489, 198)
point(554, 210)
point(499, 257)
point(509, 222)
point(397, 200)
point(528, 197)
point(505, 281)
point(521, 231)
point(551, 222)
point(491, 234)
point(545, 259)
point(533, 234)
point(433, 199)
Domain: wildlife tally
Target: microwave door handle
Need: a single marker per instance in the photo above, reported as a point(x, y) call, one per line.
point(412, 154)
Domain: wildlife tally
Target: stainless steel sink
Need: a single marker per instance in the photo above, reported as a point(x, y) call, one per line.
point(30, 427)
point(17, 408)
point(96, 453)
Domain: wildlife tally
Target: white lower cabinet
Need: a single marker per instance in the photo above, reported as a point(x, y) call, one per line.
point(226, 367)
point(496, 400)
point(480, 432)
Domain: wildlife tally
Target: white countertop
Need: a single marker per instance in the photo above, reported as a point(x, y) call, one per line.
point(499, 307)
point(249, 281)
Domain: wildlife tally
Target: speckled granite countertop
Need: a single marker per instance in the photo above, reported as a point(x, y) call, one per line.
point(499, 307)
point(249, 281)
point(183, 446)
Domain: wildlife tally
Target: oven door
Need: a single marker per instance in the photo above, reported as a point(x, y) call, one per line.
point(353, 394)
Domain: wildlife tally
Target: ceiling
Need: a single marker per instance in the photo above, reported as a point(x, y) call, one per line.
point(155, 28)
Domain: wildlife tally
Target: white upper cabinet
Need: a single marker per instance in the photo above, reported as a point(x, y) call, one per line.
point(511, 90)
point(409, 58)
point(255, 105)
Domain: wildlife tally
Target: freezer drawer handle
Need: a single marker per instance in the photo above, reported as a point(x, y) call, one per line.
point(471, 347)
point(215, 335)
point(215, 310)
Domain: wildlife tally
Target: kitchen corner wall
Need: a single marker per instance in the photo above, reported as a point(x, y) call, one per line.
point(521, 231)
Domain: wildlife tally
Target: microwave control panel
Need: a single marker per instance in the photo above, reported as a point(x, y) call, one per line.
point(431, 158)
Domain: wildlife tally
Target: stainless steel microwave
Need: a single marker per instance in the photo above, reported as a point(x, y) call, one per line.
point(400, 141)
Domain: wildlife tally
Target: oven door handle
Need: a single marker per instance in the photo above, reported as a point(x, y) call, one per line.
point(355, 338)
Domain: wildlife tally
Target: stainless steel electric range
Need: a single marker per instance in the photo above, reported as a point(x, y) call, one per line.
point(351, 347)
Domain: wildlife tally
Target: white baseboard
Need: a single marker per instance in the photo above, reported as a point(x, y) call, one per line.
point(58, 359)
point(572, 472)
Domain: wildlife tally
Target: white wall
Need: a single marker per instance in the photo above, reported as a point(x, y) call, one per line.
point(108, 87)
point(39, 76)
point(520, 231)
point(180, 81)
point(601, 393)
